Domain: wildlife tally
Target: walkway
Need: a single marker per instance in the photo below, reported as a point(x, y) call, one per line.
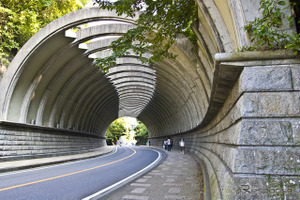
point(178, 177)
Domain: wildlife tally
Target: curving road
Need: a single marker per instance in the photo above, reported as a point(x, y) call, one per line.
point(81, 179)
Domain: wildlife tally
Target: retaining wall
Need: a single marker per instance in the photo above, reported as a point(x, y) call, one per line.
point(250, 150)
point(22, 141)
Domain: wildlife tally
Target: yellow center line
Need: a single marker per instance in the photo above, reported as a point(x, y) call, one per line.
point(64, 175)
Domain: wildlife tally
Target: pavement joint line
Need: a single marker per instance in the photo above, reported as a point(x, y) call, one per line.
point(141, 180)
point(173, 184)
point(140, 184)
point(174, 190)
point(170, 180)
point(138, 190)
point(178, 173)
point(174, 197)
point(159, 174)
point(171, 176)
point(133, 197)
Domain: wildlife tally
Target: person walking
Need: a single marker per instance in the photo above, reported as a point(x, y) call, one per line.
point(166, 144)
point(169, 144)
point(182, 145)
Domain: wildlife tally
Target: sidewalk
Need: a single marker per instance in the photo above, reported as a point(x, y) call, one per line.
point(177, 177)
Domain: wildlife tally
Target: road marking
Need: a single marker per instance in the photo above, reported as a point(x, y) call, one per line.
point(124, 180)
point(69, 174)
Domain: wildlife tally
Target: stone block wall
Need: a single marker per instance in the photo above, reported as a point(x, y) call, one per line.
point(250, 150)
point(20, 141)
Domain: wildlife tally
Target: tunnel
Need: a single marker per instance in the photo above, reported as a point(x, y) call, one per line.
point(55, 101)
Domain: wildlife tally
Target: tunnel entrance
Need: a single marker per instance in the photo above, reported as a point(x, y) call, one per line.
point(126, 131)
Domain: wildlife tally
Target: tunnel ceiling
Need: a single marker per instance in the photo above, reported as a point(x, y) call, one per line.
point(53, 82)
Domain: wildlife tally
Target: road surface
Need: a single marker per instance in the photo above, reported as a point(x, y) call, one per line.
point(84, 179)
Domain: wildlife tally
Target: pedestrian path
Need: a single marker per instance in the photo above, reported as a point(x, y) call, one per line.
point(177, 177)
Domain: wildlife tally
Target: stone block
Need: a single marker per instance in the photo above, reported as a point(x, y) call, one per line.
point(264, 187)
point(295, 77)
point(273, 78)
point(268, 160)
point(270, 132)
point(271, 104)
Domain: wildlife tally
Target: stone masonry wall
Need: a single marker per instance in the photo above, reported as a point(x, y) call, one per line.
point(19, 141)
point(251, 148)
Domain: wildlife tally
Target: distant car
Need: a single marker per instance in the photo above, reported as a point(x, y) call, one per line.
point(109, 142)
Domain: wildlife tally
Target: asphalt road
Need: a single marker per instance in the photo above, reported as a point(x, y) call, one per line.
point(80, 179)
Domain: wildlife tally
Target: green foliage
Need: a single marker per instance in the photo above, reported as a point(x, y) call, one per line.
point(117, 129)
point(7, 34)
point(265, 33)
point(141, 133)
point(21, 19)
point(158, 24)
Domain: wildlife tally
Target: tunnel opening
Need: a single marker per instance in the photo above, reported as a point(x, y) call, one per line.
point(126, 131)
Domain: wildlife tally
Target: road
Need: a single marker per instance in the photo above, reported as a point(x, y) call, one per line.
point(80, 179)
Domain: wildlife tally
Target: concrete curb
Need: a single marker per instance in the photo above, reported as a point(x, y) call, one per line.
point(205, 176)
point(25, 164)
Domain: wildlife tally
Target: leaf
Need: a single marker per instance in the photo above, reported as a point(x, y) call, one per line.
point(282, 3)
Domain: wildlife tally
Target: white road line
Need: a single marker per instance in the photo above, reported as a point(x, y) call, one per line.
point(122, 181)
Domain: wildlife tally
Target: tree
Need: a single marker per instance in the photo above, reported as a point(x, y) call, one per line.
point(158, 24)
point(21, 19)
point(141, 133)
point(117, 129)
